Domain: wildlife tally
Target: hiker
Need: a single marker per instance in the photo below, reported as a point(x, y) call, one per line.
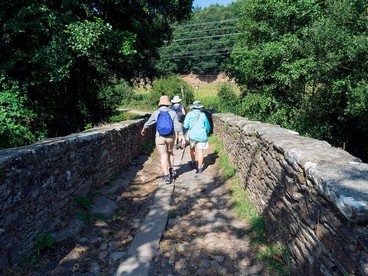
point(180, 112)
point(167, 123)
point(196, 122)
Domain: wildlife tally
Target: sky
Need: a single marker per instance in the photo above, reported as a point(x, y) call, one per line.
point(206, 3)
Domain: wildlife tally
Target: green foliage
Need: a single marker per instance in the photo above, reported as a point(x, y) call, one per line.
point(18, 123)
point(227, 98)
point(63, 55)
point(301, 64)
point(116, 94)
point(171, 86)
point(211, 102)
point(43, 241)
point(201, 44)
point(149, 146)
point(123, 116)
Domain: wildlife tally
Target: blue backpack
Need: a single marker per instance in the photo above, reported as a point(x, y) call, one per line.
point(164, 124)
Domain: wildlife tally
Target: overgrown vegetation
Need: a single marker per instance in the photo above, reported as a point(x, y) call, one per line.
point(58, 60)
point(273, 254)
point(171, 86)
point(301, 64)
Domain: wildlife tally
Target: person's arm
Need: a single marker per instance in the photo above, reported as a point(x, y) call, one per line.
point(183, 110)
point(151, 121)
point(206, 123)
point(177, 125)
point(186, 122)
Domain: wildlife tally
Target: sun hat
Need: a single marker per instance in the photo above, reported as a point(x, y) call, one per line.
point(196, 104)
point(164, 100)
point(176, 99)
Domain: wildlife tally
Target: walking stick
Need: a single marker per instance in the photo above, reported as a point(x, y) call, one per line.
point(181, 160)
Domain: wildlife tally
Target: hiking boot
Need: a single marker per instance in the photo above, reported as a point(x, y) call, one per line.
point(167, 179)
point(172, 173)
point(192, 164)
point(200, 170)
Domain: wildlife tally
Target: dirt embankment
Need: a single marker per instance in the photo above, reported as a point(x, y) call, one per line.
point(201, 79)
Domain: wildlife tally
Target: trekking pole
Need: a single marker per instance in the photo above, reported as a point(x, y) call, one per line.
point(181, 160)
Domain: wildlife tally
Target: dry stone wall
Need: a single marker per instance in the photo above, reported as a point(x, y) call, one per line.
point(313, 197)
point(38, 183)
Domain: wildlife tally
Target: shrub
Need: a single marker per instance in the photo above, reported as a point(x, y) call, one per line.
point(18, 122)
point(227, 99)
point(171, 86)
point(118, 94)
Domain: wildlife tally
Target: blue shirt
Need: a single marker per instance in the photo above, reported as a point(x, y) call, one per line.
point(199, 128)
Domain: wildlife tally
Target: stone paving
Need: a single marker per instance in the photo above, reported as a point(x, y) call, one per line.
point(151, 228)
point(202, 235)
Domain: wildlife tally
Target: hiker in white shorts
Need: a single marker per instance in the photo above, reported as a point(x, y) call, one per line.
point(196, 122)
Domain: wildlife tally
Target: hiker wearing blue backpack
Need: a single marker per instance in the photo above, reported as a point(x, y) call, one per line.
point(167, 124)
point(198, 126)
point(180, 112)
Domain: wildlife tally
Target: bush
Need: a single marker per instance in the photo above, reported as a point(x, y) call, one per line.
point(18, 123)
point(171, 86)
point(227, 99)
point(211, 103)
point(116, 95)
point(256, 106)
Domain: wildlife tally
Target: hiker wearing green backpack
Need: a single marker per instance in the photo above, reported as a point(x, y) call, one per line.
point(166, 121)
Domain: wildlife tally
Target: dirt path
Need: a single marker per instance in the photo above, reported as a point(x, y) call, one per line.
point(202, 236)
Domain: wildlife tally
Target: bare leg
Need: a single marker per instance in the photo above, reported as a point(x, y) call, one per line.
point(200, 157)
point(176, 138)
point(164, 163)
point(170, 159)
point(192, 154)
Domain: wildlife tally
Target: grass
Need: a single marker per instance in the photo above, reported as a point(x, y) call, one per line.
point(206, 93)
point(124, 116)
point(273, 254)
point(207, 90)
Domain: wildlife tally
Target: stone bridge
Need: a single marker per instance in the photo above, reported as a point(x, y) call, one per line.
point(313, 197)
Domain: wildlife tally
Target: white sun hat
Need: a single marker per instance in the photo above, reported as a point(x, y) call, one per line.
point(176, 99)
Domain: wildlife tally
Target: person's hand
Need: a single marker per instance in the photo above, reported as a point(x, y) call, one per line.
point(182, 141)
point(143, 131)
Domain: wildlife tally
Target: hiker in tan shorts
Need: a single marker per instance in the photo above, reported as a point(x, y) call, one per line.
point(167, 123)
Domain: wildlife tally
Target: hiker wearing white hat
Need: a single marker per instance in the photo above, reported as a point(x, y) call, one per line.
point(180, 112)
point(196, 122)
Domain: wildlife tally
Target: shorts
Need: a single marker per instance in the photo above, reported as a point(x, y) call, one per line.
point(199, 145)
point(165, 144)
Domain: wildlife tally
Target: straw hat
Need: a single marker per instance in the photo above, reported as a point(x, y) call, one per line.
point(176, 99)
point(196, 104)
point(164, 100)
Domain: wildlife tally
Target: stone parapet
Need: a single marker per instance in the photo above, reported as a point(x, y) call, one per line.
point(38, 183)
point(313, 197)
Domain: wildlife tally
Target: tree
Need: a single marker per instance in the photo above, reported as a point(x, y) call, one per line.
point(308, 57)
point(63, 53)
point(201, 44)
